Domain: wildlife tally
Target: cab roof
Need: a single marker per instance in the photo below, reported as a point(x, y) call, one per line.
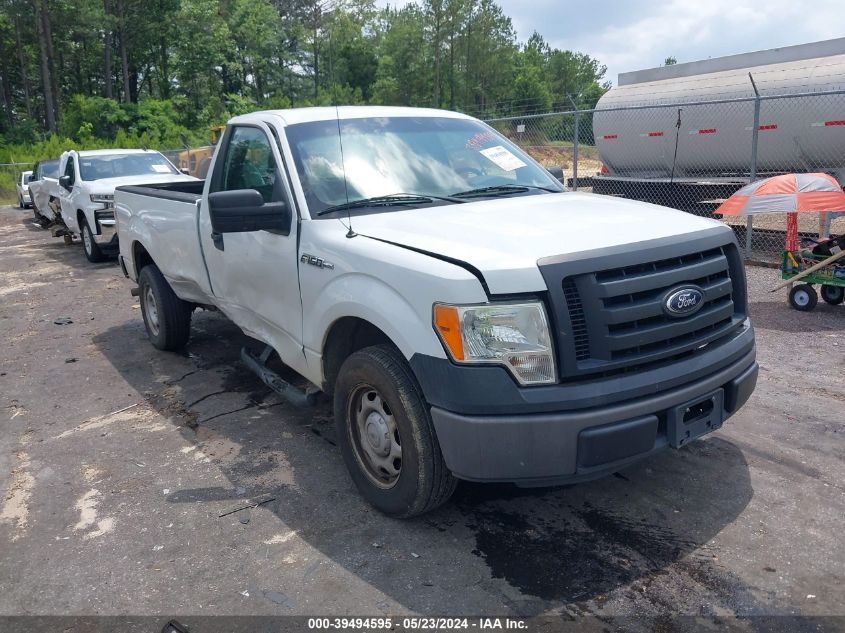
point(331, 113)
point(107, 152)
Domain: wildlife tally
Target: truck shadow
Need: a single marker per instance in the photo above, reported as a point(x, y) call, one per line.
point(524, 550)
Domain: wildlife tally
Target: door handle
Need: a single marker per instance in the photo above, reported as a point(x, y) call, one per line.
point(217, 238)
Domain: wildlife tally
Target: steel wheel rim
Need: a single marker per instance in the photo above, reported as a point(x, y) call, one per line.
point(374, 436)
point(802, 298)
point(86, 239)
point(151, 310)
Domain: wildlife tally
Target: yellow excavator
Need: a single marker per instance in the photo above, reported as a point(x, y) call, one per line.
point(195, 161)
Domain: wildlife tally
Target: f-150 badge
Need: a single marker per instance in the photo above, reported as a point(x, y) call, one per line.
point(319, 262)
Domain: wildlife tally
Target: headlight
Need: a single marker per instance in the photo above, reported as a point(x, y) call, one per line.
point(515, 335)
point(101, 197)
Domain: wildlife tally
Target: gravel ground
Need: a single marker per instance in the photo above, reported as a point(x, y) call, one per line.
point(117, 460)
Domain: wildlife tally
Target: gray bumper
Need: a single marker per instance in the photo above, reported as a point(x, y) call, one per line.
point(560, 447)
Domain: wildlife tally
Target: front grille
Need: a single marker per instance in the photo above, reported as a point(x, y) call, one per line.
point(615, 320)
point(577, 319)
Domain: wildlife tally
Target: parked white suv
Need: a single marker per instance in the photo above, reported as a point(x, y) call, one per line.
point(469, 317)
point(87, 181)
point(22, 187)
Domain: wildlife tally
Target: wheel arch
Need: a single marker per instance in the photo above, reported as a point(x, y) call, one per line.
point(140, 258)
point(344, 337)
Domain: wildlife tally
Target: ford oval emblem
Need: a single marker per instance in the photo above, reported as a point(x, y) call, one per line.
point(684, 301)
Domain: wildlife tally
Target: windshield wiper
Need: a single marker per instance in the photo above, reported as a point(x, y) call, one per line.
point(394, 199)
point(500, 190)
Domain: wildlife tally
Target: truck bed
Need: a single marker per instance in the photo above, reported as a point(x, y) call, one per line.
point(163, 218)
point(189, 191)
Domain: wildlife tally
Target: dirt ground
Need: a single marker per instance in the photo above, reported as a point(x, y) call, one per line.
point(117, 462)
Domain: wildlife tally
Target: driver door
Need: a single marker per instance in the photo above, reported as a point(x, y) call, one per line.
point(254, 275)
point(66, 195)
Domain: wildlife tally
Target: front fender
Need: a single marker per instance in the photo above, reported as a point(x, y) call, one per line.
point(366, 297)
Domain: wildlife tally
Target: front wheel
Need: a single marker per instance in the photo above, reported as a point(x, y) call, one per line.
point(386, 435)
point(166, 317)
point(803, 297)
point(89, 245)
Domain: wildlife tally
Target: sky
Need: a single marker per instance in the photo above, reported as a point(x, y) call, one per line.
point(628, 35)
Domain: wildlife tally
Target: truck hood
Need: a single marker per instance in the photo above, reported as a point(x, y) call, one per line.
point(107, 185)
point(503, 238)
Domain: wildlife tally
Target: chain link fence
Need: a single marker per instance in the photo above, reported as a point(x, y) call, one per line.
point(687, 155)
point(692, 155)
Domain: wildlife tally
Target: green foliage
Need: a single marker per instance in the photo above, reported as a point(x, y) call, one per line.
point(158, 73)
point(149, 123)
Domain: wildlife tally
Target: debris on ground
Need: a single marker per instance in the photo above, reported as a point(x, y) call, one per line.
point(252, 505)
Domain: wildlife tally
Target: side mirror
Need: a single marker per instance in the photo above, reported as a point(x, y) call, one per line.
point(557, 172)
point(64, 182)
point(244, 211)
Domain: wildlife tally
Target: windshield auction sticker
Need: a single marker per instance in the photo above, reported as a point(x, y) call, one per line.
point(502, 157)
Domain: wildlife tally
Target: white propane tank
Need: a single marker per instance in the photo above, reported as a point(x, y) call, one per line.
point(714, 140)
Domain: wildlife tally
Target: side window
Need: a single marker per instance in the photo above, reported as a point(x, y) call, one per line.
point(250, 164)
point(70, 171)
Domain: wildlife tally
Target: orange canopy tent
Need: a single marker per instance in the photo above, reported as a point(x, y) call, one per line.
point(789, 193)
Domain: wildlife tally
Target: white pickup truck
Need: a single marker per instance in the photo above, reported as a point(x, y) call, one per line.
point(22, 189)
point(471, 319)
point(86, 191)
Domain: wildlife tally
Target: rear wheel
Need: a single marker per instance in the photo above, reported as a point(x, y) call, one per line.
point(91, 248)
point(834, 295)
point(803, 297)
point(166, 317)
point(386, 435)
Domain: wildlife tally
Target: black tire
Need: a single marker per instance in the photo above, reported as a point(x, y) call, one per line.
point(166, 317)
point(834, 295)
point(803, 297)
point(423, 481)
point(89, 245)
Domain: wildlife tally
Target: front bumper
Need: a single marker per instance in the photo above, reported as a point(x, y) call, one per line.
point(105, 230)
point(106, 235)
point(547, 447)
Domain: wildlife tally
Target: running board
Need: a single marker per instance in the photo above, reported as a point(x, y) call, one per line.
point(258, 365)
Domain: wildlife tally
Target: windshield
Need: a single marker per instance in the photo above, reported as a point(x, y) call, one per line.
point(26, 178)
point(117, 165)
point(49, 169)
point(427, 156)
